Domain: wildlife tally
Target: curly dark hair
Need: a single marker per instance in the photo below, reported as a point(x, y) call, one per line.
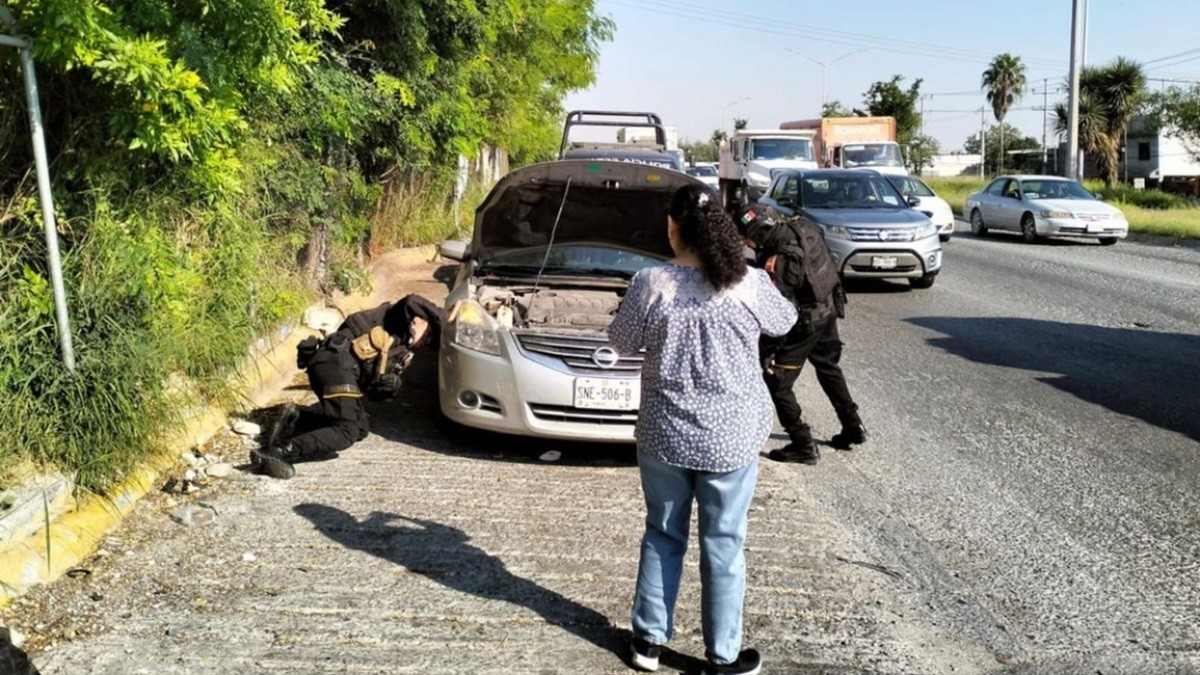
point(705, 228)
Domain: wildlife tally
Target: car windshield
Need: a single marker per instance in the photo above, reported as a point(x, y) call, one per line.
point(1054, 189)
point(578, 260)
point(847, 191)
point(871, 154)
point(702, 171)
point(911, 186)
point(782, 148)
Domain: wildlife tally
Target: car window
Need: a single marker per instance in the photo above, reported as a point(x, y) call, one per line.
point(911, 186)
point(996, 187)
point(849, 190)
point(1054, 189)
point(1012, 189)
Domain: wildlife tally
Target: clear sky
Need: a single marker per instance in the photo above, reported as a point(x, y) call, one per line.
point(694, 61)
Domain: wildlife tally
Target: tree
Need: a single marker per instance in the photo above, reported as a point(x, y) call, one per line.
point(1015, 141)
point(1004, 81)
point(1109, 96)
point(739, 123)
point(921, 152)
point(889, 99)
point(1178, 110)
point(719, 136)
point(835, 109)
point(699, 151)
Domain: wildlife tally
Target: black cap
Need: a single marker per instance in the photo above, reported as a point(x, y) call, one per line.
point(755, 220)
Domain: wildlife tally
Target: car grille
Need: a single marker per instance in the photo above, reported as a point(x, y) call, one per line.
point(566, 413)
point(1092, 217)
point(576, 352)
point(882, 234)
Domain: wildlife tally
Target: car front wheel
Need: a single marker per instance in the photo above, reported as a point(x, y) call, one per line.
point(977, 227)
point(1029, 229)
point(924, 281)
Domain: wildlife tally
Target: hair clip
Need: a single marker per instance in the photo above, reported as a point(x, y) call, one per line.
point(702, 199)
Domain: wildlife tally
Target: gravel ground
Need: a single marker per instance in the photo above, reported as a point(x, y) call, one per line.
point(1026, 504)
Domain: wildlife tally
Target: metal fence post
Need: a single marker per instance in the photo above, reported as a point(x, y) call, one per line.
point(42, 166)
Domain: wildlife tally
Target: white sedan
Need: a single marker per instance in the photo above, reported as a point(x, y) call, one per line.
point(927, 202)
point(1044, 206)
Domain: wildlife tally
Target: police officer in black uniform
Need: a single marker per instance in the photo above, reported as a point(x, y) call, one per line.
point(794, 253)
point(364, 357)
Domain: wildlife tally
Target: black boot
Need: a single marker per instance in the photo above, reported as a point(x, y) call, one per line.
point(849, 436)
point(276, 462)
point(799, 451)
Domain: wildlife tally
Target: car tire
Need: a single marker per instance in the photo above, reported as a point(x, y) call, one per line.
point(1029, 229)
point(944, 238)
point(1107, 241)
point(978, 228)
point(924, 281)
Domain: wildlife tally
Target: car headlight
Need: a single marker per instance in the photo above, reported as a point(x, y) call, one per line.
point(475, 330)
point(926, 230)
point(1056, 214)
point(838, 232)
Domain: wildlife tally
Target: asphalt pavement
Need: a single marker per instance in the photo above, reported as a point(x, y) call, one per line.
point(1027, 503)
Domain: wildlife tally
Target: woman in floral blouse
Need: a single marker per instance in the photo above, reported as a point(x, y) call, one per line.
point(705, 413)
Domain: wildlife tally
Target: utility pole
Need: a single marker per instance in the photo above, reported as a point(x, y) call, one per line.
point(1045, 112)
point(923, 113)
point(1073, 168)
point(982, 140)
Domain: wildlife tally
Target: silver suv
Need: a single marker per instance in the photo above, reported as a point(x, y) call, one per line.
point(872, 229)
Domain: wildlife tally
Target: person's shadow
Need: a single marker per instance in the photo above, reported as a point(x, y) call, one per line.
point(445, 555)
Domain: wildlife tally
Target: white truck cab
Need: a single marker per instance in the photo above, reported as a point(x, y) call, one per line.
point(752, 158)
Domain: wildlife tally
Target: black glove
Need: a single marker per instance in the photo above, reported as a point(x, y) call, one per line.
point(384, 387)
point(306, 351)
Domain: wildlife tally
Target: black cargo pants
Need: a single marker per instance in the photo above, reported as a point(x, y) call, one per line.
point(339, 418)
point(821, 347)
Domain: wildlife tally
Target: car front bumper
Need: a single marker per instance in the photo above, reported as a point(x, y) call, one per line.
point(1075, 227)
point(522, 394)
point(857, 259)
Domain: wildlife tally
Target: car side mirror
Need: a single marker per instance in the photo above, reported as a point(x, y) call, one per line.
point(914, 201)
point(453, 250)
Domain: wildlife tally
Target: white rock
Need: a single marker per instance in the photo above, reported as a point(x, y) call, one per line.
point(193, 516)
point(220, 470)
point(324, 319)
point(189, 475)
point(246, 428)
point(249, 557)
point(551, 456)
point(16, 637)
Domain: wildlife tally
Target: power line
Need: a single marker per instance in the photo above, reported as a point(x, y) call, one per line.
point(1170, 57)
point(774, 26)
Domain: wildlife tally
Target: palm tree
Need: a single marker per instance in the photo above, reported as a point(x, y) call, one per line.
point(1109, 96)
point(1004, 81)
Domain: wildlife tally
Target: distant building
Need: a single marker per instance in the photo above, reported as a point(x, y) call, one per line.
point(1153, 156)
point(953, 164)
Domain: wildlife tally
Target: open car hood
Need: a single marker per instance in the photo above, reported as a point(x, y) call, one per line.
point(607, 203)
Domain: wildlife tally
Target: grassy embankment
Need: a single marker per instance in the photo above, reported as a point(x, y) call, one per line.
point(1148, 211)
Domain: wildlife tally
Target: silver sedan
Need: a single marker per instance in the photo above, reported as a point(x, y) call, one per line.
point(1044, 206)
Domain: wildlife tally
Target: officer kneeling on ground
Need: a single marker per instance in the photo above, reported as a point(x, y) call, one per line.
point(365, 356)
point(794, 253)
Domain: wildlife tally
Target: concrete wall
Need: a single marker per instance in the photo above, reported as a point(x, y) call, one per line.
point(953, 165)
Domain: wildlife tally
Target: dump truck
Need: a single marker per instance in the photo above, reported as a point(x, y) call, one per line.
point(751, 159)
point(854, 142)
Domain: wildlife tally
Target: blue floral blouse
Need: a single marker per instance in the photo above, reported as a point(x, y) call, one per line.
point(704, 403)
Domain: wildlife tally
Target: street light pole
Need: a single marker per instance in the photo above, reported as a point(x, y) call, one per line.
point(824, 69)
point(1072, 165)
point(730, 105)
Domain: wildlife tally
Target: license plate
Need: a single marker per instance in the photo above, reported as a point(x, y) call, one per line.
point(884, 262)
point(607, 394)
point(1095, 227)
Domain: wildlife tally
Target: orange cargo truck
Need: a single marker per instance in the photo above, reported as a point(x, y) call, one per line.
point(855, 142)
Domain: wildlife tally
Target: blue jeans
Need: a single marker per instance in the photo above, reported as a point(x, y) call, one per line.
point(724, 500)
